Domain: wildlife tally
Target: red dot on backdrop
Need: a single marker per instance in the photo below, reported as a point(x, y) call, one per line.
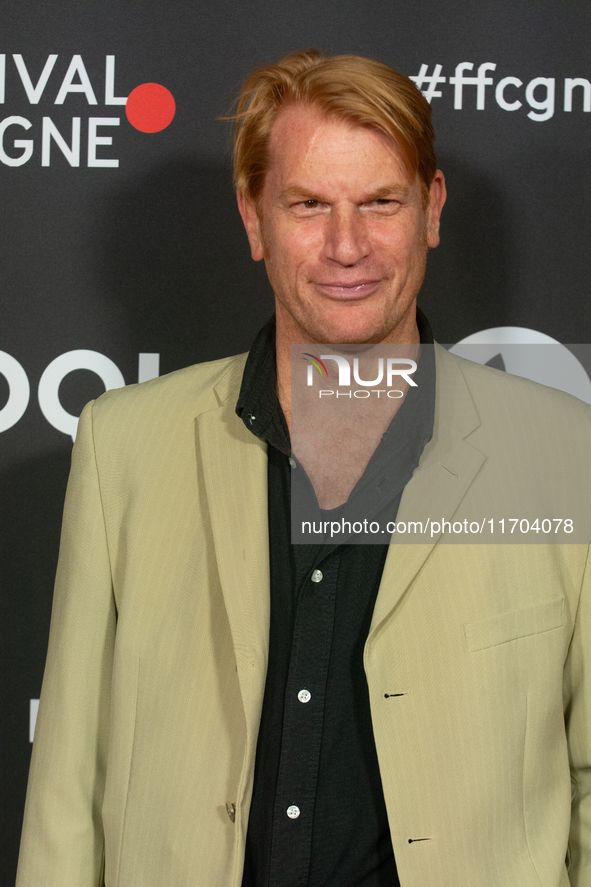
point(150, 107)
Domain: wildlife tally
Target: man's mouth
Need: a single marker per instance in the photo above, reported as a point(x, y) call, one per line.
point(357, 290)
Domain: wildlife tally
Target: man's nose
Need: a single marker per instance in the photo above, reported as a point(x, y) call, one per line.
point(346, 236)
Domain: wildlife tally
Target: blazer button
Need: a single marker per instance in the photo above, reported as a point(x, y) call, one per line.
point(231, 810)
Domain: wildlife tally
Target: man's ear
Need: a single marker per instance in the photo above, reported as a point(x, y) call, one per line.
point(437, 195)
point(252, 224)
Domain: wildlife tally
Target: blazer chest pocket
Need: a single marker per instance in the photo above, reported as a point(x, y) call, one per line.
point(518, 624)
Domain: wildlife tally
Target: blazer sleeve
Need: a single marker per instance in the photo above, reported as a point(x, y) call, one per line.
point(578, 726)
point(62, 841)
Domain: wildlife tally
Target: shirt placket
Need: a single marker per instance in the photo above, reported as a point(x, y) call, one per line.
point(303, 719)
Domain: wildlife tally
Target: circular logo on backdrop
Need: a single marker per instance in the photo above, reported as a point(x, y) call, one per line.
point(150, 107)
point(513, 349)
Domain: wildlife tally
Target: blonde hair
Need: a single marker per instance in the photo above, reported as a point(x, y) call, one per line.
point(348, 87)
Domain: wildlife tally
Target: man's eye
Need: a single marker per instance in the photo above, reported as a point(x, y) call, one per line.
point(310, 203)
point(387, 204)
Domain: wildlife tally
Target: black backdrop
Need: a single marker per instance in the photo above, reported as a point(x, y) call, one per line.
point(144, 254)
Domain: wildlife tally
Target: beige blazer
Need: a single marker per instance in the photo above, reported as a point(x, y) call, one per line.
point(480, 692)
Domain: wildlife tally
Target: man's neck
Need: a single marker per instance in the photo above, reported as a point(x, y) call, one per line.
point(288, 334)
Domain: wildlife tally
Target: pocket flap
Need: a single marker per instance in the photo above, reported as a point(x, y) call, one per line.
point(517, 624)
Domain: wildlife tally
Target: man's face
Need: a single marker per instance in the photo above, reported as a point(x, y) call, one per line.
point(343, 231)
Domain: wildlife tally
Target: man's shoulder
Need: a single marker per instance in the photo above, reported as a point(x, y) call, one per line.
point(194, 389)
point(508, 394)
point(155, 416)
point(526, 444)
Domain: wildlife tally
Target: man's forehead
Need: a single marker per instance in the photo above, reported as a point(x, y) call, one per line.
point(306, 119)
point(306, 142)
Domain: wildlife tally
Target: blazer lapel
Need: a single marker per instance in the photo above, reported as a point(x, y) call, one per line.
point(234, 464)
point(448, 467)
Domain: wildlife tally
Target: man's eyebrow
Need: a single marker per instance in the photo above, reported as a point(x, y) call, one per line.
point(301, 192)
point(395, 191)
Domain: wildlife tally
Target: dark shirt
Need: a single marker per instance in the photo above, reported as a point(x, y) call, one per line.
point(316, 754)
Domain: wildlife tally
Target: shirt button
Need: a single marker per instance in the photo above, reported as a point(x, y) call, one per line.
point(292, 462)
point(304, 695)
point(293, 812)
point(317, 576)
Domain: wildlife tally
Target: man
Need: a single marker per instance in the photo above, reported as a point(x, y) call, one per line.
point(223, 708)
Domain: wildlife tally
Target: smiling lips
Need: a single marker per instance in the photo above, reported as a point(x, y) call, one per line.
point(356, 290)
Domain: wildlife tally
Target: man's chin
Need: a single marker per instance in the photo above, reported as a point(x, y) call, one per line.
point(350, 324)
point(348, 333)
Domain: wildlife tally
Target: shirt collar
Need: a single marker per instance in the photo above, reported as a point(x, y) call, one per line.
point(258, 404)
